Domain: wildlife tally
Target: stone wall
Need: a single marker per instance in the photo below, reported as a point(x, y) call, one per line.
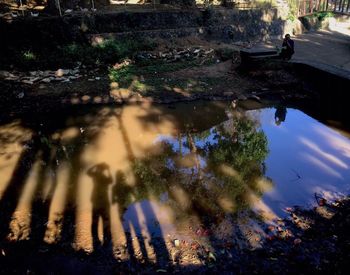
point(222, 24)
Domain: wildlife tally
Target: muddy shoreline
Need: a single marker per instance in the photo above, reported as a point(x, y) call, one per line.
point(314, 240)
point(225, 84)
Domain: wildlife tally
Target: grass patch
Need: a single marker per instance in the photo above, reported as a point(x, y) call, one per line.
point(150, 80)
point(127, 75)
point(28, 56)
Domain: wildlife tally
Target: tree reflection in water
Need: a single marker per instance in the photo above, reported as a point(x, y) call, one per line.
point(217, 170)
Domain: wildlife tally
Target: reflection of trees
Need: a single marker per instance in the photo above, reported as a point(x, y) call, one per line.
point(216, 168)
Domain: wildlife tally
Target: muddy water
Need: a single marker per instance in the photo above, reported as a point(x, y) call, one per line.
point(142, 173)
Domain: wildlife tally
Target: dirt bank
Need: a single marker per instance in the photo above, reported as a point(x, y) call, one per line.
point(189, 70)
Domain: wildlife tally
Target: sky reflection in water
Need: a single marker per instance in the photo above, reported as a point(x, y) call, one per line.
point(305, 157)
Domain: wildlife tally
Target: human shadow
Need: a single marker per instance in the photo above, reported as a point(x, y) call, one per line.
point(124, 195)
point(101, 177)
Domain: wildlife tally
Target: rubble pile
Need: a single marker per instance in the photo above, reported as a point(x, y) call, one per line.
point(184, 54)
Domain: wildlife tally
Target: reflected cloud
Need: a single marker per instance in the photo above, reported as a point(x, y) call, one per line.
point(335, 140)
point(321, 165)
point(316, 149)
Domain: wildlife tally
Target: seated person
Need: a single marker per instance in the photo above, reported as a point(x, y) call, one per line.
point(287, 48)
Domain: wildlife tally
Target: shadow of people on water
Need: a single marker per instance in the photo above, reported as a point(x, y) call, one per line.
point(101, 177)
point(133, 203)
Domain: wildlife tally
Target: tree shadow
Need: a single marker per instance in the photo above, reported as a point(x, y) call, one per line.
point(155, 176)
point(15, 187)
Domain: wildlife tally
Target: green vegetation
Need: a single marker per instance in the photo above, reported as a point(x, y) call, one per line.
point(293, 10)
point(28, 56)
point(322, 15)
point(106, 53)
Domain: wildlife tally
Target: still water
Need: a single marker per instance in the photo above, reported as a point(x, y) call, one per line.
point(125, 175)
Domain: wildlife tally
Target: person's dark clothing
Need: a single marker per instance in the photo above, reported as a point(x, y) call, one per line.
point(287, 49)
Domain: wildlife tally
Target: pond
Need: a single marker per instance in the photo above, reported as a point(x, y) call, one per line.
point(148, 176)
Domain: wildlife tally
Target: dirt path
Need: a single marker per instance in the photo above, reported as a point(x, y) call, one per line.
point(326, 47)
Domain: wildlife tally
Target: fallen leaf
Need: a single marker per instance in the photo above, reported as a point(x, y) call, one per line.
point(271, 227)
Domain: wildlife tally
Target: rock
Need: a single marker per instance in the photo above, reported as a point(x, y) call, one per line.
point(34, 73)
point(176, 243)
point(242, 97)
point(59, 73)
point(297, 241)
point(46, 80)
point(120, 93)
point(228, 93)
point(34, 79)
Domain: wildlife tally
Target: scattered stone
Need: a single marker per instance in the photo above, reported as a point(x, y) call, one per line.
point(297, 241)
point(179, 54)
point(46, 80)
point(32, 77)
point(176, 243)
point(59, 73)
